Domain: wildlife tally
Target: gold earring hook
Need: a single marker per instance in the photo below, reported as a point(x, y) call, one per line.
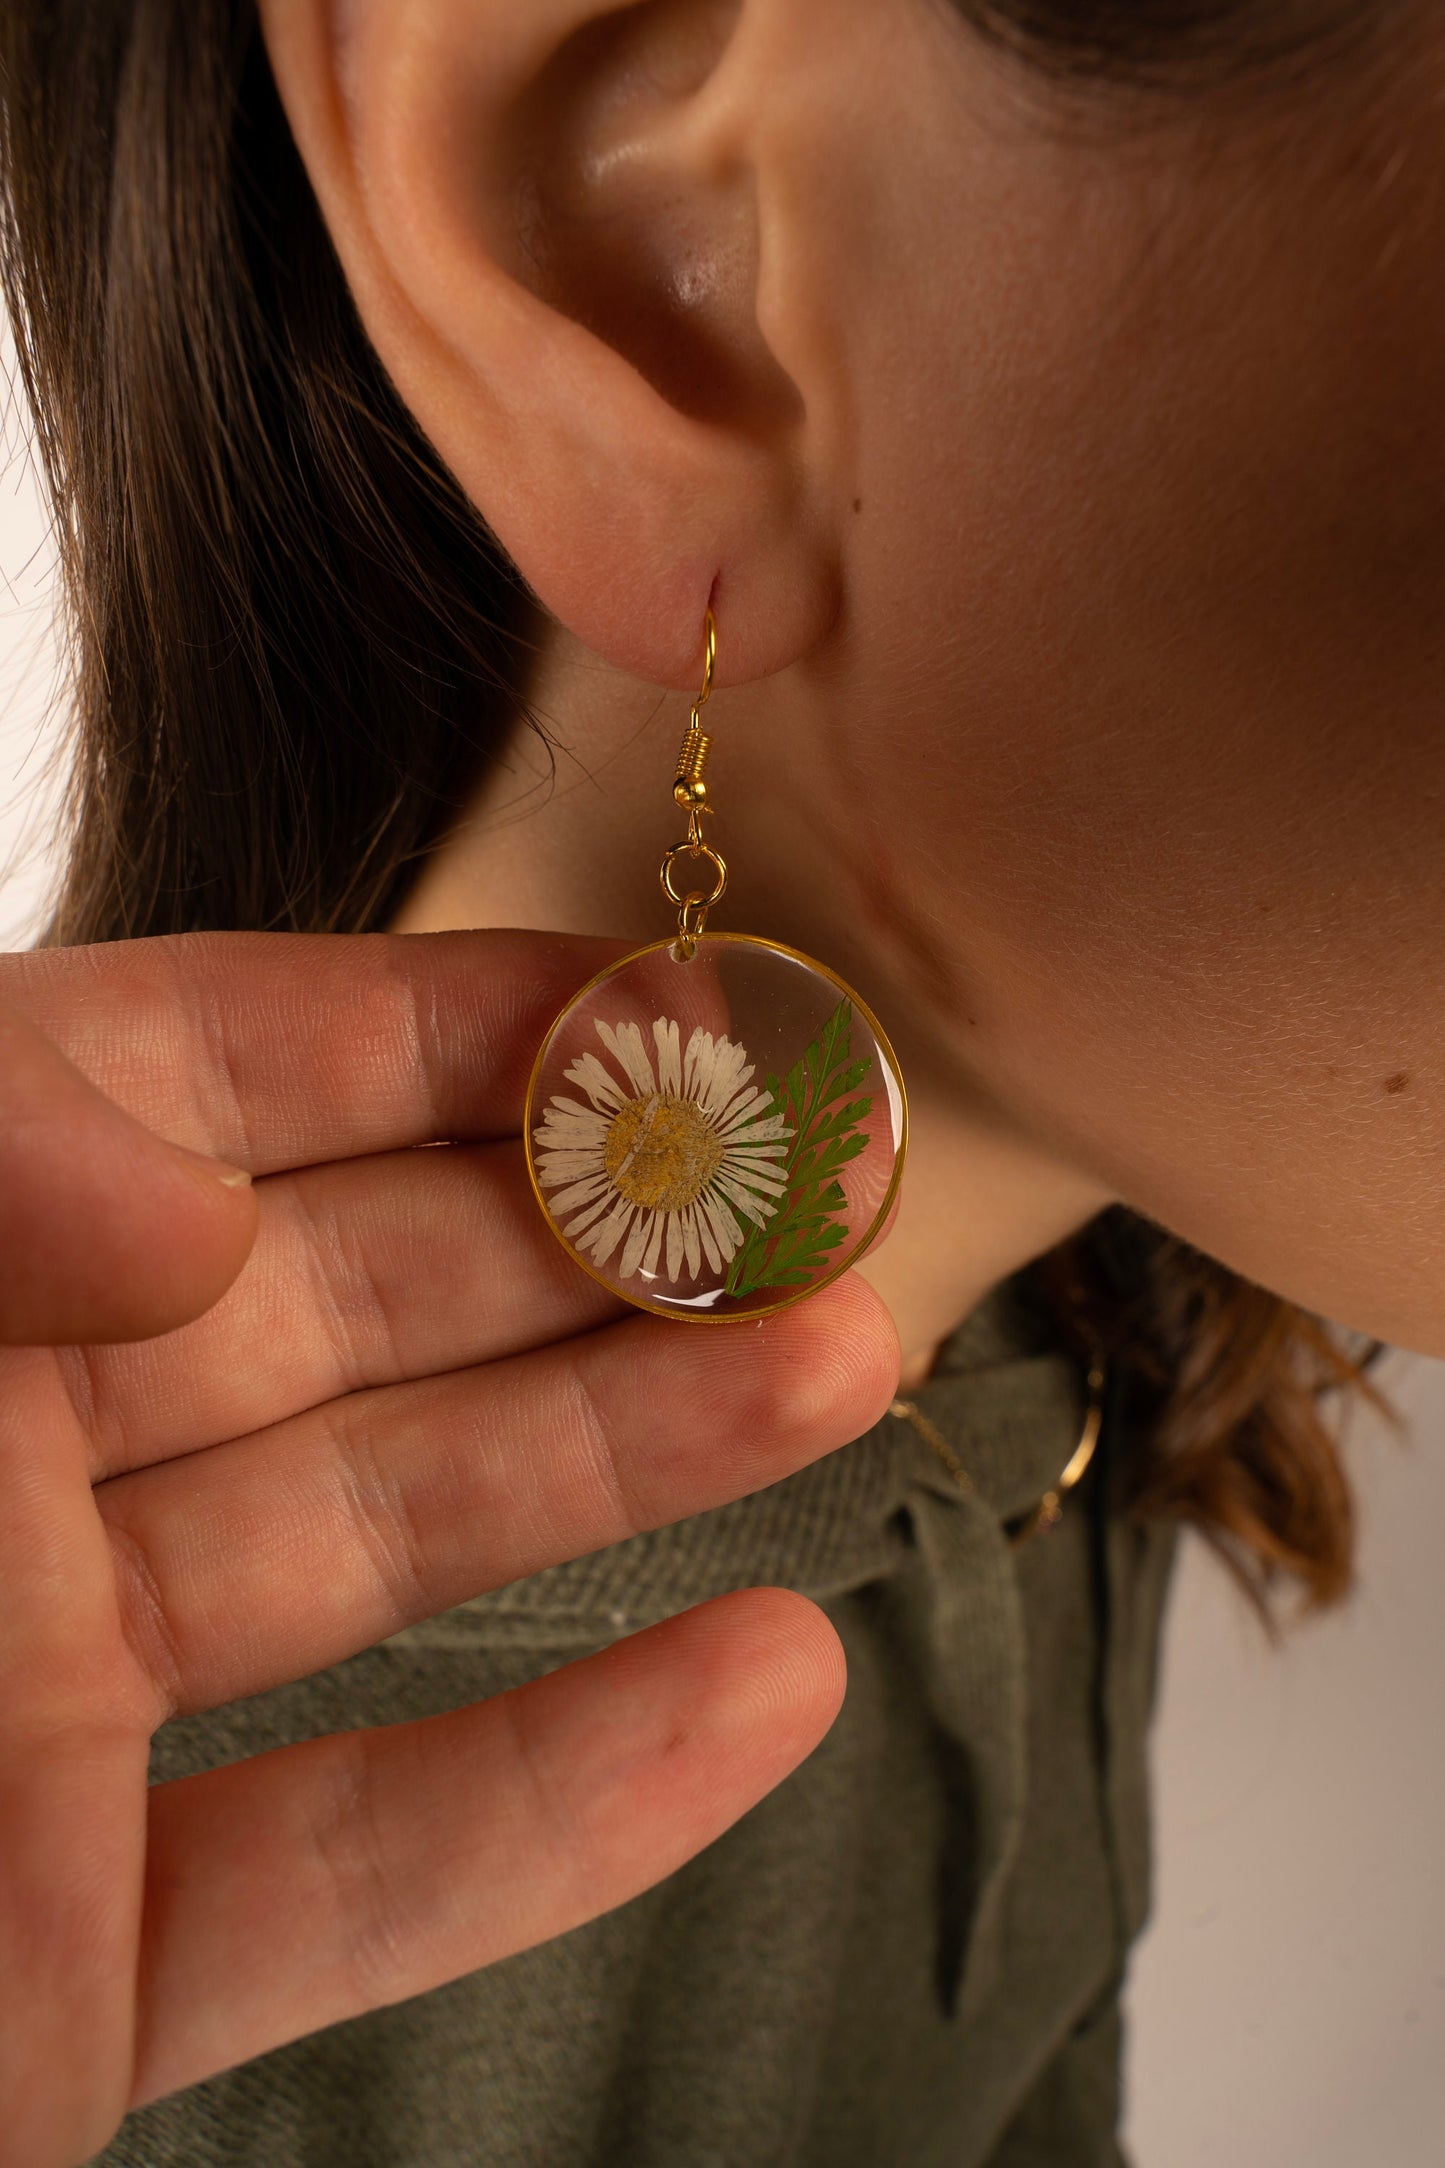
point(709, 657)
point(689, 788)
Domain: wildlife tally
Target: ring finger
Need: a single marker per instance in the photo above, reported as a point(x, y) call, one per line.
point(366, 1272)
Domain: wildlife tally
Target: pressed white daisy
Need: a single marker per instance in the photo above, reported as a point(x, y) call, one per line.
point(671, 1154)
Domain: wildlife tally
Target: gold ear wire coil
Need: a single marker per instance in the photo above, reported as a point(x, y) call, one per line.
point(689, 785)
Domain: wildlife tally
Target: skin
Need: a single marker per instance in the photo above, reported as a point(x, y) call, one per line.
point(1064, 470)
point(407, 1395)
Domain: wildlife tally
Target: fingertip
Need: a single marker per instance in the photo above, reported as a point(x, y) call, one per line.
point(765, 1676)
point(800, 1661)
point(212, 1242)
point(839, 1356)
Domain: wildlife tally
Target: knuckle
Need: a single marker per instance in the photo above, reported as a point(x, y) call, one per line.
point(199, 1001)
point(375, 1931)
point(344, 1293)
point(146, 1625)
point(417, 1006)
point(609, 1460)
point(379, 1509)
point(554, 1812)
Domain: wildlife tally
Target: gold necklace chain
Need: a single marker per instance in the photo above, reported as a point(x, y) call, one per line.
point(1050, 1509)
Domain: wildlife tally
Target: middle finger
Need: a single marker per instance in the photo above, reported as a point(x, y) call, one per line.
point(271, 1556)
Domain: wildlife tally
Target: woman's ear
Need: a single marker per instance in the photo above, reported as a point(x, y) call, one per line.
point(574, 239)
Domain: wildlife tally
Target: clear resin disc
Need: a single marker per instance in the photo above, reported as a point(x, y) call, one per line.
point(715, 1136)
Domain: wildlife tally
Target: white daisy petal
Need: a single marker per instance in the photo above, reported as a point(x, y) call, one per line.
point(690, 1242)
point(659, 1228)
point(745, 1103)
point(722, 1080)
point(705, 1236)
point(757, 1209)
point(632, 1038)
point(552, 1176)
point(570, 1140)
point(559, 1109)
point(565, 1107)
point(724, 1226)
point(588, 1073)
point(608, 1232)
point(555, 1167)
point(766, 1179)
point(555, 1157)
point(769, 1197)
point(608, 1036)
point(752, 1115)
point(748, 1152)
point(669, 1057)
point(593, 1185)
point(625, 1041)
point(769, 1132)
point(747, 1164)
point(634, 1246)
point(697, 1064)
point(739, 1070)
point(674, 1245)
point(588, 1216)
point(569, 1155)
point(570, 1137)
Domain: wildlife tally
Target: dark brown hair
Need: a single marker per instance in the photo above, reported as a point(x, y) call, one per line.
point(294, 640)
point(1178, 46)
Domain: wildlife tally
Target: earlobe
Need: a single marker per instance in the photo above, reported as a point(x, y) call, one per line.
point(549, 218)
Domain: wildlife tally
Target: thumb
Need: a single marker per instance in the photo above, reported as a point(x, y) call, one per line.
point(106, 1231)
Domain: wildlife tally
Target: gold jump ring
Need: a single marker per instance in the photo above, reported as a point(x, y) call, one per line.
point(691, 895)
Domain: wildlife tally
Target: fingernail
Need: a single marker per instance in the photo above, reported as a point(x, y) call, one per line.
point(215, 1170)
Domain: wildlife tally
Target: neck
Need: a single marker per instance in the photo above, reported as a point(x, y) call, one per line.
point(979, 1198)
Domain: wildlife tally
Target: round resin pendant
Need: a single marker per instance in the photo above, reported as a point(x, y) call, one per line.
point(715, 1136)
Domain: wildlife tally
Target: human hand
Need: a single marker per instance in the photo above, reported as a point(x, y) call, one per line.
point(379, 1387)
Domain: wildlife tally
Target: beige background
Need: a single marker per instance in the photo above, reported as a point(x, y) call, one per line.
point(1289, 2002)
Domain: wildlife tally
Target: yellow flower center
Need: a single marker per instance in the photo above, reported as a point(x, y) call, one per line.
point(661, 1152)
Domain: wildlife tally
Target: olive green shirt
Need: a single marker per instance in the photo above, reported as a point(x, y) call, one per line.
point(908, 1956)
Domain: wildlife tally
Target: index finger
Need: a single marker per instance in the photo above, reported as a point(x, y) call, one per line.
point(279, 1050)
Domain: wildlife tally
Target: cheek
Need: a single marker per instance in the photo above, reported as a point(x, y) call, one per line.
point(1153, 542)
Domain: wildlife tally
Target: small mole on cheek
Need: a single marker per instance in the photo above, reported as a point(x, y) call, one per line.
point(1398, 1081)
point(857, 504)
